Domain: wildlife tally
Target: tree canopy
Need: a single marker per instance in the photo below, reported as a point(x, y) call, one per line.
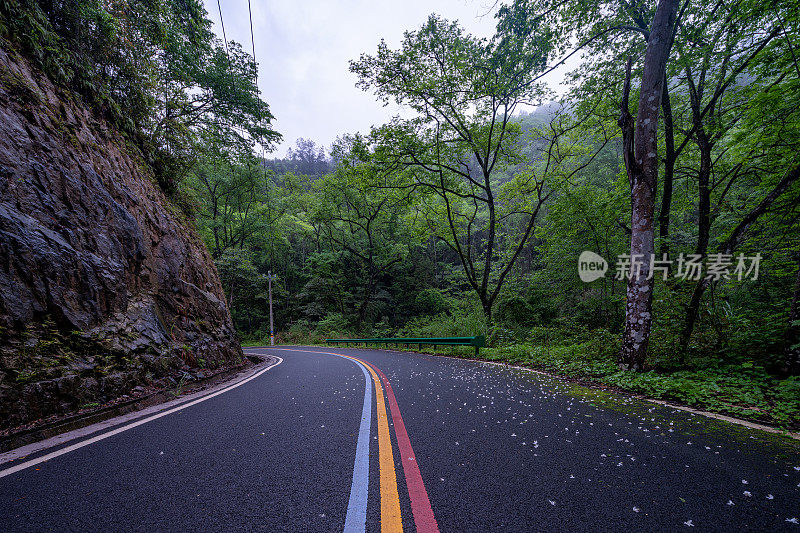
point(155, 69)
point(674, 146)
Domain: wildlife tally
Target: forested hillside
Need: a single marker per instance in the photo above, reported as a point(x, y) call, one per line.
point(470, 216)
point(671, 154)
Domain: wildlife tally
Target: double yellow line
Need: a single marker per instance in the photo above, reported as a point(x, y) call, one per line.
point(391, 519)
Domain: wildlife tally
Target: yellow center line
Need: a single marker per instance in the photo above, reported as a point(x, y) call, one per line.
point(391, 520)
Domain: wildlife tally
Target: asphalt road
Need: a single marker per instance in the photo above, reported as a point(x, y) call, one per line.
point(455, 446)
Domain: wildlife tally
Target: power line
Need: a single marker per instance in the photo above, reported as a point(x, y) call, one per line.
point(227, 50)
point(222, 22)
point(250, 12)
point(270, 277)
point(227, 53)
point(253, 43)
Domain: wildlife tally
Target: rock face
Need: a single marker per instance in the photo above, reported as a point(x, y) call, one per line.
point(103, 283)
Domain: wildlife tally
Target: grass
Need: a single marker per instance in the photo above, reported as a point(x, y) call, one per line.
point(179, 387)
point(742, 390)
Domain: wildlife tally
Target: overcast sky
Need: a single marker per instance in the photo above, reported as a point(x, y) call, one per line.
point(303, 48)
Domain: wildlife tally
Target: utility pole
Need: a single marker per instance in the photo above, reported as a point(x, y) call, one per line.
point(270, 277)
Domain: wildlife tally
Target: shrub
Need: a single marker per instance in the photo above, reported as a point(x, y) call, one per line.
point(430, 302)
point(332, 323)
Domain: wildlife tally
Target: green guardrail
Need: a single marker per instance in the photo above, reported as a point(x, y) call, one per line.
point(478, 342)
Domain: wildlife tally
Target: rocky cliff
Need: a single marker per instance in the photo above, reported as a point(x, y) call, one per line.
point(104, 286)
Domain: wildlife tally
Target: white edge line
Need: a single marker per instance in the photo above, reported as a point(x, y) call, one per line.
point(355, 521)
point(60, 439)
point(76, 446)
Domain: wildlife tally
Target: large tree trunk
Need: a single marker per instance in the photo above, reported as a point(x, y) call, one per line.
point(487, 305)
point(704, 191)
point(640, 140)
point(704, 145)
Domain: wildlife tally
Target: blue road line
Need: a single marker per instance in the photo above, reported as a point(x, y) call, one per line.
point(356, 519)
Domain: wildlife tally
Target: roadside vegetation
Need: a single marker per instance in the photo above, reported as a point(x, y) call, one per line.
point(740, 388)
point(469, 217)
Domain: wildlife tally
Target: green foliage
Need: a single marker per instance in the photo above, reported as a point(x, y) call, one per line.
point(516, 311)
point(153, 69)
point(430, 302)
point(468, 217)
point(456, 152)
point(533, 306)
point(334, 324)
point(466, 320)
point(245, 287)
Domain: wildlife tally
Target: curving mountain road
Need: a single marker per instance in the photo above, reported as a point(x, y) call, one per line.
point(354, 440)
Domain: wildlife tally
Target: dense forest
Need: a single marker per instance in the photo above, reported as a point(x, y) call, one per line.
point(677, 141)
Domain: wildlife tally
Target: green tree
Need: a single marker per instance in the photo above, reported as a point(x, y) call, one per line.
point(154, 69)
point(361, 216)
point(464, 91)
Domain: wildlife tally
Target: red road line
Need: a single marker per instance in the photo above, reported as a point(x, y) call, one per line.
point(424, 520)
